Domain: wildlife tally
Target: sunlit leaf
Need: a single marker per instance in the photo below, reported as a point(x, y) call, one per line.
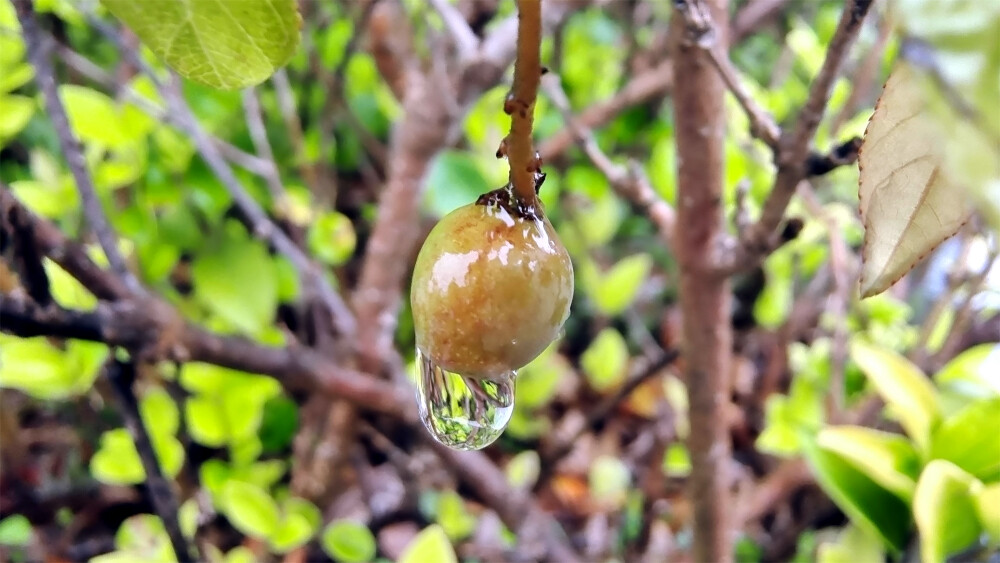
point(970, 439)
point(888, 459)
point(431, 544)
point(907, 204)
point(16, 112)
point(945, 512)
point(15, 530)
point(605, 361)
point(987, 501)
point(853, 545)
point(909, 394)
point(250, 509)
point(351, 542)
point(618, 288)
point(609, 480)
point(239, 283)
point(221, 44)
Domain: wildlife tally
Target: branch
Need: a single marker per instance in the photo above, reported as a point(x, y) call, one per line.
point(16, 231)
point(462, 35)
point(258, 135)
point(794, 147)
point(122, 375)
point(630, 182)
point(705, 296)
point(39, 55)
point(520, 103)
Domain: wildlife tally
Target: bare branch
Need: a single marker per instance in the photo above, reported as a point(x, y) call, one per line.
point(520, 103)
point(39, 54)
point(630, 182)
point(465, 40)
point(258, 134)
point(122, 376)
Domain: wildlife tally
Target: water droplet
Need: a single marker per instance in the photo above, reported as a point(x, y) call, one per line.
point(463, 412)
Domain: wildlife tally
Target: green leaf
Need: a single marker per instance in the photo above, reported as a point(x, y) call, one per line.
point(293, 531)
point(944, 510)
point(15, 530)
point(619, 286)
point(144, 538)
point(250, 509)
point(605, 361)
point(279, 422)
point(221, 44)
point(868, 505)
point(187, 517)
point(38, 368)
point(239, 283)
point(908, 393)
point(241, 554)
point(969, 439)
point(888, 459)
point(987, 502)
point(677, 461)
point(159, 412)
point(973, 372)
point(352, 542)
point(609, 480)
point(454, 180)
point(332, 238)
point(205, 421)
point(523, 470)
point(431, 544)
point(452, 516)
point(853, 545)
point(94, 117)
point(17, 112)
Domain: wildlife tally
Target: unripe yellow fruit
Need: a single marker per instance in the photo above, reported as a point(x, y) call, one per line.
point(491, 289)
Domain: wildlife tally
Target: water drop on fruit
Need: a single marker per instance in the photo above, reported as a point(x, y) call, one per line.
point(462, 412)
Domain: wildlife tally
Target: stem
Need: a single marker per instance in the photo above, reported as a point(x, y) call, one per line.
point(705, 296)
point(521, 102)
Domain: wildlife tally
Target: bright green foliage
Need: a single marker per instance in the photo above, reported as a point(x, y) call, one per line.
point(348, 541)
point(117, 461)
point(523, 470)
point(889, 459)
point(677, 461)
point(453, 180)
point(140, 538)
point(332, 238)
point(618, 287)
point(452, 516)
point(944, 509)
point(987, 501)
point(250, 508)
point(36, 367)
point(853, 545)
point(605, 362)
point(609, 481)
point(214, 42)
point(15, 530)
point(431, 544)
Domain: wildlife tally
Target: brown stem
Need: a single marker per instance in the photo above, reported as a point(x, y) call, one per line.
point(699, 115)
point(521, 102)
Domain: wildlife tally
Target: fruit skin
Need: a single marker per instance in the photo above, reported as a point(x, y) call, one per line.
point(490, 290)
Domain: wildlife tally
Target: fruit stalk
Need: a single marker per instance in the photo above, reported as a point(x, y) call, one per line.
point(520, 104)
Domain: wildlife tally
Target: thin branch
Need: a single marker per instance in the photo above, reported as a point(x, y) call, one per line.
point(263, 227)
point(39, 54)
point(122, 376)
point(462, 35)
point(17, 232)
point(258, 135)
point(795, 145)
point(520, 103)
point(630, 182)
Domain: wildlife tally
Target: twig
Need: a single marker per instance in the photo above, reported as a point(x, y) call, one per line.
point(39, 54)
point(794, 146)
point(520, 103)
point(16, 231)
point(752, 16)
point(263, 227)
point(630, 182)
point(258, 134)
point(462, 35)
point(122, 375)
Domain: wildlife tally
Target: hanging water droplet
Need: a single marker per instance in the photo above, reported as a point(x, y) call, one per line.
point(463, 412)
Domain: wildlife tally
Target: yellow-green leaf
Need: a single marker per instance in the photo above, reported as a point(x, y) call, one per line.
point(944, 510)
point(431, 544)
point(907, 203)
point(219, 43)
point(888, 459)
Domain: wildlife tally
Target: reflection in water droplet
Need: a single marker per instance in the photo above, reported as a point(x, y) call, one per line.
point(462, 412)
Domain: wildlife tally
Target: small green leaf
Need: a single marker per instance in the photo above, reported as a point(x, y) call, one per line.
point(868, 505)
point(454, 180)
point(523, 470)
point(853, 545)
point(17, 112)
point(241, 554)
point(909, 394)
point(205, 421)
point(293, 531)
point(15, 530)
point(144, 537)
point(187, 517)
point(352, 542)
point(605, 361)
point(159, 412)
point(239, 283)
point(973, 372)
point(431, 544)
point(220, 44)
point(888, 459)
point(969, 439)
point(609, 479)
point(94, 117)
point(945, 512)
point(13, 78)
point(452, 516)
point(250, 509)
point(677, 461)
point(332, 238)
point(620, 285)
point(117, 461)
point(987, 502)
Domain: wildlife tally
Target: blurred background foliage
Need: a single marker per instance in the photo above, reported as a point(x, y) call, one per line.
point(928, 461)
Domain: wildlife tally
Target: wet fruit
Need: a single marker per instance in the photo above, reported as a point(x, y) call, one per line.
point(491, 289)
